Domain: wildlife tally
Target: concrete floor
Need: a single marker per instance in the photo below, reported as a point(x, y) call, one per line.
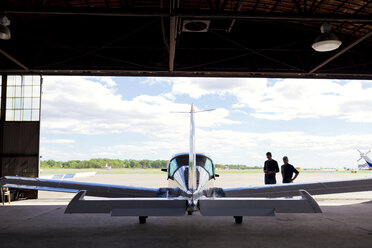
point(47, 226)
point(42, 223)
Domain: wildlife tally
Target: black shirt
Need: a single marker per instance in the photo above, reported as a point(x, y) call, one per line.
point(271, 165)
point(287, 172)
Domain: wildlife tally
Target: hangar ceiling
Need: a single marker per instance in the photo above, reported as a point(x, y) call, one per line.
point(241, 38)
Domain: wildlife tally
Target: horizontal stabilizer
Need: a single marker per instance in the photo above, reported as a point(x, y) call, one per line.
point(291, 189)
point(92, 189)
point(258, 206)
point(127, 206)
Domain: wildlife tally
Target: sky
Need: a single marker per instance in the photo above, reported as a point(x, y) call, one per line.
point(316, 123)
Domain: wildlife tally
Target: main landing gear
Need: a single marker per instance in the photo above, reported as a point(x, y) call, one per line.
point(142, 219)
point(238, 219)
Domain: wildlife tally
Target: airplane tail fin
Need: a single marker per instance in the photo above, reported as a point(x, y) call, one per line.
point(192, 154)
point(365, 157)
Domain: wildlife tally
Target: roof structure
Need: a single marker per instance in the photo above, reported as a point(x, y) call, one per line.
point(235, 38)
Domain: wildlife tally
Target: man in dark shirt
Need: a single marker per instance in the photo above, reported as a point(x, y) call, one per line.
point(270, 169)
point(287, 171)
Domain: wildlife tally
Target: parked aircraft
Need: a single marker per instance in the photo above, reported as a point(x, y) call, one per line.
point(107, 167)
point(368, 164)
point(191, 176)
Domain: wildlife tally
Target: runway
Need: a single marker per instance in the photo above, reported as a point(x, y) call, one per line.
point(42, 223)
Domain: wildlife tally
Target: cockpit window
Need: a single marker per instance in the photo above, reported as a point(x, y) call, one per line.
point(173, 166)
point(182, 160)
point(209, 167)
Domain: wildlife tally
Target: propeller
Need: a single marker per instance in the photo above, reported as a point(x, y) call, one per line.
point(362, 154)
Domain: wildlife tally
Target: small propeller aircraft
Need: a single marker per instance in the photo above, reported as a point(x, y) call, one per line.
point(368, 164)
point(191, 176)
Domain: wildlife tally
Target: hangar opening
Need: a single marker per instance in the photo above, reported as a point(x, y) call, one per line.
point(269, 39)
point(296, 39)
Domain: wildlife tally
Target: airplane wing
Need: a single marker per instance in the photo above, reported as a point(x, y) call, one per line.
point(291, 189)
point(116, 200)
point(270, 199)
point(92, 189)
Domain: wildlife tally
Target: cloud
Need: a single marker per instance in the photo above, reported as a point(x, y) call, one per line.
point(235, 147)
point(94, 106)
point(88, 106)
point(57, 141)
point(286, 99)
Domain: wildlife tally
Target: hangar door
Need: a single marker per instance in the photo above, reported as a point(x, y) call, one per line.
point(20, 127)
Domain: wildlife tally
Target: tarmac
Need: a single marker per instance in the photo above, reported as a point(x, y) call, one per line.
point(346, 221)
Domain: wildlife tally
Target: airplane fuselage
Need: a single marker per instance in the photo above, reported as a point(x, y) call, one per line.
point(179, 173)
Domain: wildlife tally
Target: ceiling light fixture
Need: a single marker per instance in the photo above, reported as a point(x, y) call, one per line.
point(196, 26)
point(326, 41)
point(4, 30)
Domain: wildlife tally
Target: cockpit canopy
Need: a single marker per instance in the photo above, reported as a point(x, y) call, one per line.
point(183, 159)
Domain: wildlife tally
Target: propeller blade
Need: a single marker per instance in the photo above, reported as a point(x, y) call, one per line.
point(359, 159)
point(359, 151)
point(367, 152)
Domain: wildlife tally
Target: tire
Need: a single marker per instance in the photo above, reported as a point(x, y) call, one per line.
point(238, 219)
point(142, 219)
point(189, 212)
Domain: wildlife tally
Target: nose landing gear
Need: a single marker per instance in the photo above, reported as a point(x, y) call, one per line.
point(238, 219)
point(142, 219)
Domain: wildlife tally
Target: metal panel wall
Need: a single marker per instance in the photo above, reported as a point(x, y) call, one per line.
point(19, 146)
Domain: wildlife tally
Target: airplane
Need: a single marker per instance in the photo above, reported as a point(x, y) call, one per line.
point(107, 167)
point(191, 176)
point(368, 164)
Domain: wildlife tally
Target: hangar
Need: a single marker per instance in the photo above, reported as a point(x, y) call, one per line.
point(192, 38)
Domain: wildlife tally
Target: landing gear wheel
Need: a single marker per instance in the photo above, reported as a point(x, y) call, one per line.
point(189, 212)
point(142, 219)
point(238, 219)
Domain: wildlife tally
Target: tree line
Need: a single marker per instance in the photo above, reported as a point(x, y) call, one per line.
point(100, 163)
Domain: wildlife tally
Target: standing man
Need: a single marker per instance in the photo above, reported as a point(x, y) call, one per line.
point(288, 170)
point(270, 169)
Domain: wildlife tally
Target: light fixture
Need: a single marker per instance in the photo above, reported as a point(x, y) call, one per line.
point(4, 30)
point(195, 26)
point(326, 41)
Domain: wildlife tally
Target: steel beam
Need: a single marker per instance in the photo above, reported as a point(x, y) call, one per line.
point(13, 59)
point(298, 6)
point(188, 14)
point(278, 17)
point(172, 42)
point(194, 73)
point(238, 8)
point(4, 80)
point(342, 51)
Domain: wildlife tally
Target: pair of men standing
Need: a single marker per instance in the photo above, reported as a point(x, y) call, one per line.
point(271, 168)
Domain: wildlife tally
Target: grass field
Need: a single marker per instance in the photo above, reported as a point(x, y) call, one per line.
point(157, 171)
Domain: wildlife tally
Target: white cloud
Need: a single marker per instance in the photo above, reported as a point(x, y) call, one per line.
point(235, 147)
point(88, 106)
point(82, 105)
point(57, 141)
point(286, 99)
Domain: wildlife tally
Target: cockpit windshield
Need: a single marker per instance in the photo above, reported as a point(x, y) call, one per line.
point(182, 160)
